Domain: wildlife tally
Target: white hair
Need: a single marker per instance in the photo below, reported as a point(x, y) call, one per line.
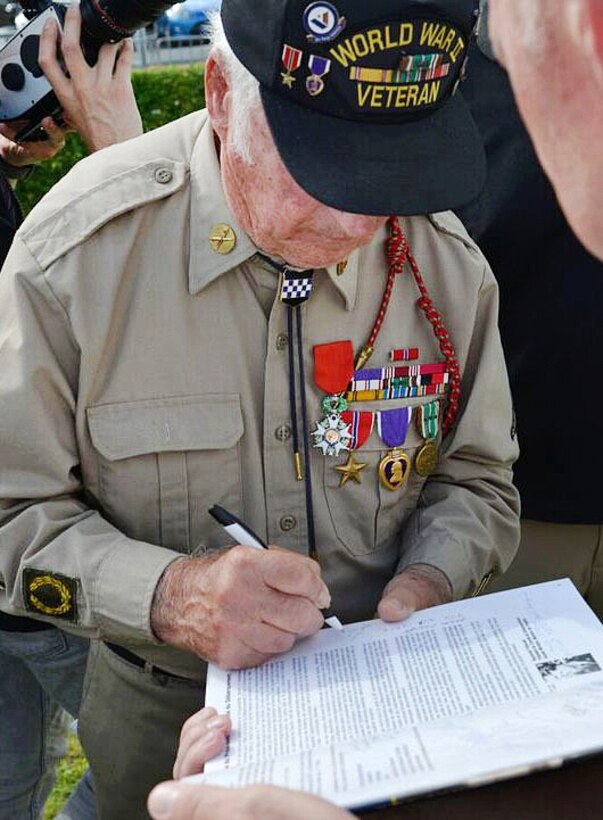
point(244, 88)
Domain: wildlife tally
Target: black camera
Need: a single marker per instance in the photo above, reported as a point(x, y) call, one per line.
point(25, 93)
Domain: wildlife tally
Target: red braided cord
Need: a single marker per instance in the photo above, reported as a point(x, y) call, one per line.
point(387, 294)
point(398, 252)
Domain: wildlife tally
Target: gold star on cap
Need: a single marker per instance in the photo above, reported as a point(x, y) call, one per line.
point(351, 470)
point(222, 238)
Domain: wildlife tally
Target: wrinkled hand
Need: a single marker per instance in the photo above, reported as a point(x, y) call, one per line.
point(98, 101)
point(240, 607)
point(190, 801)
point(418, 587)
point(29, 153)
point(203, 736)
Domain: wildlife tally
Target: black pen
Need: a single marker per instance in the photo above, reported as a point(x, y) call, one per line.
point(247, 538)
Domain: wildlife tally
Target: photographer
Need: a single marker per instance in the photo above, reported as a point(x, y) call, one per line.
point(42, 666)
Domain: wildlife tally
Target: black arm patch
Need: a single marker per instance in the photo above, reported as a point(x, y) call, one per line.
point(50, 594)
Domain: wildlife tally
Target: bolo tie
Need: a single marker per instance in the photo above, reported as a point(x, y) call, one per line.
point(295, 289)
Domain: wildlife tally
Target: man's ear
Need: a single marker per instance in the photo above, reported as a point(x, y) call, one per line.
point(217, 95)
point(591, 26)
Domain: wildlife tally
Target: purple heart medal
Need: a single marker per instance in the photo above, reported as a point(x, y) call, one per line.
point(394, 468)
point(320, 67)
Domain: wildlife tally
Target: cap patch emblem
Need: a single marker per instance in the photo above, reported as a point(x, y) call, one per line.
point(419, 76)
point(323, 22)
point(292, 58)
point(320, 67)
point(50, 594)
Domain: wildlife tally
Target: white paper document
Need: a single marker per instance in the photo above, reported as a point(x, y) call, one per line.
point(459, 694)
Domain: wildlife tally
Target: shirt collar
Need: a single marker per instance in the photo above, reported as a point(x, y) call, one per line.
point(209, 208)
point(346, 282)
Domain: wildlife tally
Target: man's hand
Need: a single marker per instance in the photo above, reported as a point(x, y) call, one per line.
point(29, 153)
point(98, 101)
point(240, 607)
point(189, 801)
point(418, 587)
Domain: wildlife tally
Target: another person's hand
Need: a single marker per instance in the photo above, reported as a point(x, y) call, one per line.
point(239, 607)
point(29, 153)
point(98, 102)
point(203, 736)
point(191, 801)
point(418, 587)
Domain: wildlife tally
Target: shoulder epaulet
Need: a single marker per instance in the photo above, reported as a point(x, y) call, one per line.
point(448, 223)
point(107, 185)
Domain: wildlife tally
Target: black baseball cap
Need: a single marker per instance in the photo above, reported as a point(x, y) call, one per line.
point(363, 100)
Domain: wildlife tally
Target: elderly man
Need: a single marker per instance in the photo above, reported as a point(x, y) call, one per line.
point(162, 308)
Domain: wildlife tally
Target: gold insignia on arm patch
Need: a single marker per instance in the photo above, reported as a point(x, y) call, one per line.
point(50, 594)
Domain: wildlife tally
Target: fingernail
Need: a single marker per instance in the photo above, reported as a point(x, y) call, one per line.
point(401, 611)
point(162, 800)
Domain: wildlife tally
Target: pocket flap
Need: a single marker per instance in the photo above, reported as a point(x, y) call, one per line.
point(127, 429)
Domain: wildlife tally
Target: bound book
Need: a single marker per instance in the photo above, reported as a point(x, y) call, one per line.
point(454, 697)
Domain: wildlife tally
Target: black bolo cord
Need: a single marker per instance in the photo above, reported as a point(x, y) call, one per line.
point(293, 399)
point(304, 413)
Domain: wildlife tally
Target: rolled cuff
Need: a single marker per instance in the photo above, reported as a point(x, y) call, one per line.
point(124, 590)
point(464, 572)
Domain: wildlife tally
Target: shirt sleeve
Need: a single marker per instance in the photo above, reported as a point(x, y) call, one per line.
point(60, 560)
point(467, 520)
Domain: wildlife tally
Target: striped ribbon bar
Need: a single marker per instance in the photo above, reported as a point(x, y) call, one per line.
point(399, 381)
point(405, 370)
point(397, 76)
point(414, 375)
point(397, 393)
point(404, 354)
point(421, 61)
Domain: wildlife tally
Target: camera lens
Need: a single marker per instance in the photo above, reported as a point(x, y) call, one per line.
point(30, 48)
point(112, 20)
point(13, 77)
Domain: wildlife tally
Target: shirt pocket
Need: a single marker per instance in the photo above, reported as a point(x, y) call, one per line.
point(159, 457)
point(367, 517)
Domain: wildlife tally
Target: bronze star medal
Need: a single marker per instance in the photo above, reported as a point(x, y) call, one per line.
point(351, 470)
point(292, 58)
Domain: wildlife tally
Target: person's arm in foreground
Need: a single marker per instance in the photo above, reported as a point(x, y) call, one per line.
point(203, 737)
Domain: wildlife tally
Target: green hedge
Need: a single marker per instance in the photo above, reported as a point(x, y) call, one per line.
point(163, 95)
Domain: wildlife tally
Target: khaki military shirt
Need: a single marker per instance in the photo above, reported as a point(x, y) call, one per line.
point(144, 377)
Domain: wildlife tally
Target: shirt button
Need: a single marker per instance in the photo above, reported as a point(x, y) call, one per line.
point(288, 522)
point(283, 433)
point(163, 176)
point(282, 340)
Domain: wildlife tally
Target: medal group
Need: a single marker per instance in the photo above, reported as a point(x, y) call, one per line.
point(323, 24)
point(345, 430)
point(345, 380)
